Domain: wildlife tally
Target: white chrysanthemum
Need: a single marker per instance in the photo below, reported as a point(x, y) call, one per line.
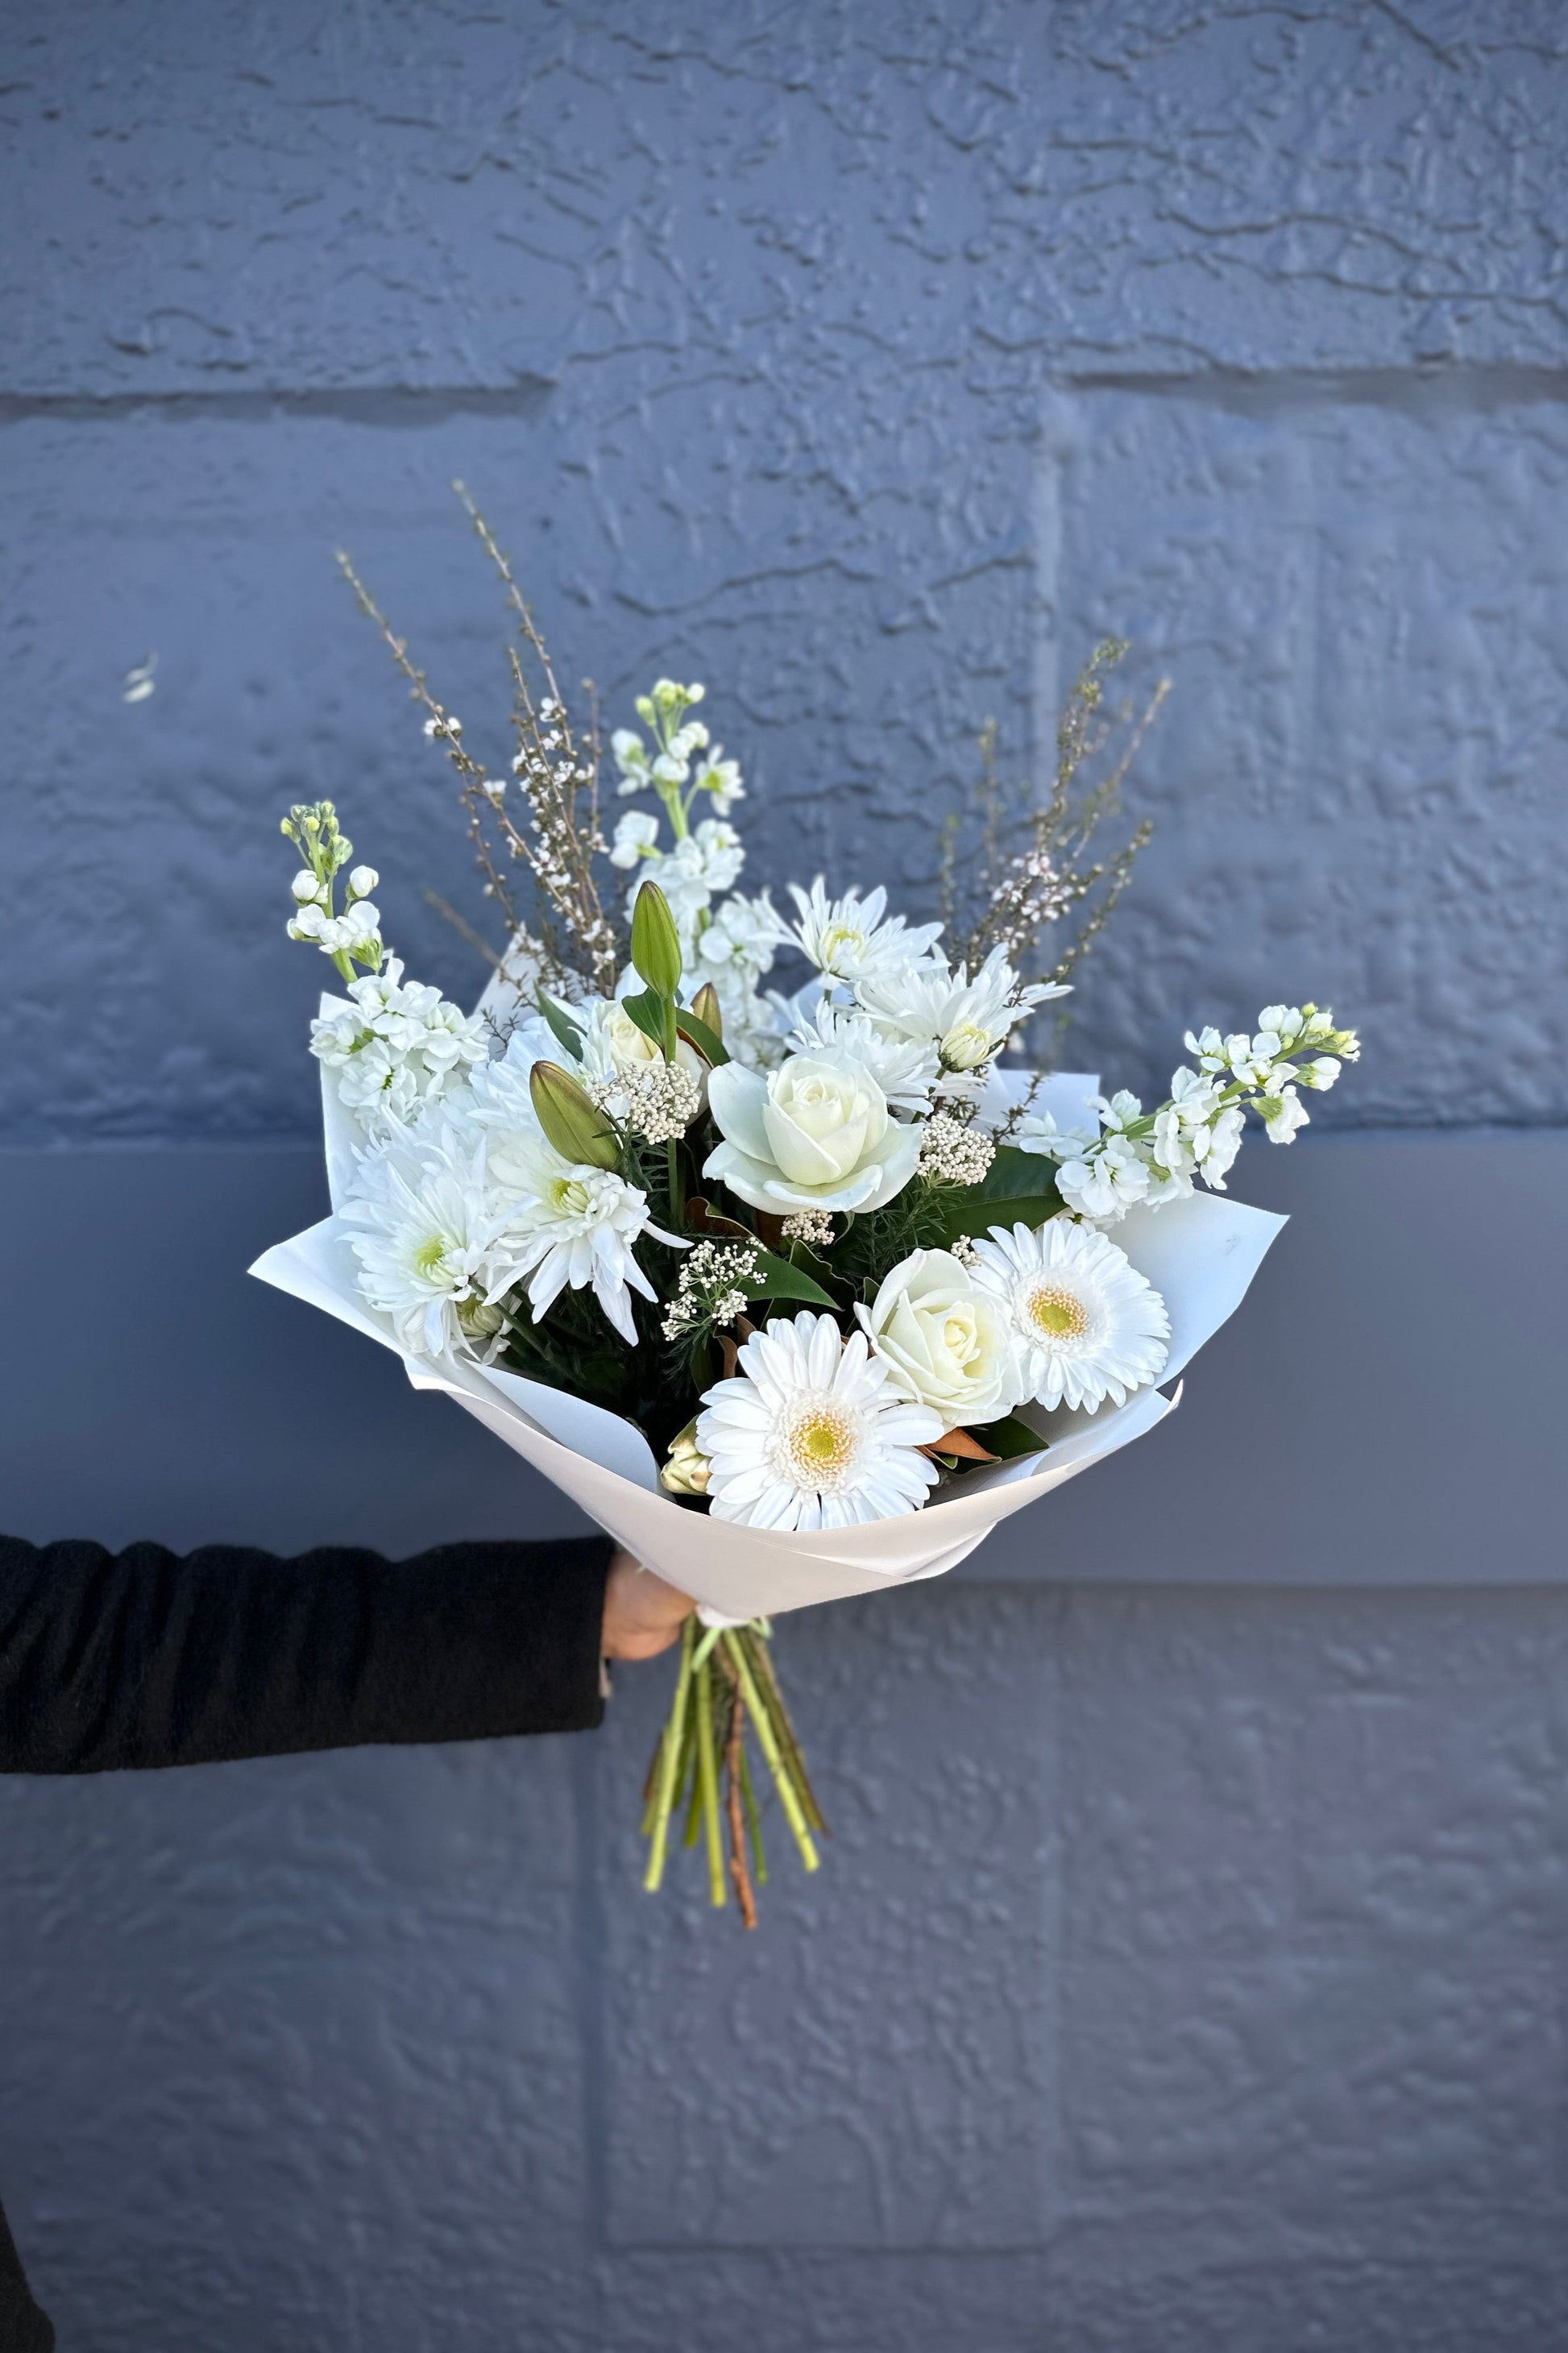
point(810, 1433)
point(1088, 1325)
point(429, 1224)
point(904, 1067)
point(847, 939)
point(967, 1021)
point(577, 1226)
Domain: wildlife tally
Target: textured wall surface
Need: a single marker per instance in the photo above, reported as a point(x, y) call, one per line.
point(1188, 1973)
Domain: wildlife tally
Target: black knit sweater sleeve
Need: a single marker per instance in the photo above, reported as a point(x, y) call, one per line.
point(146, 1657)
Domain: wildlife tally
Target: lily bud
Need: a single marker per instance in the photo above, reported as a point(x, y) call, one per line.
point(572, 1121)
point(705, 1004)
point(656, 943)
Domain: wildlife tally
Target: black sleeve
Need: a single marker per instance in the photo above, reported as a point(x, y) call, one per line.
point(144, 1658)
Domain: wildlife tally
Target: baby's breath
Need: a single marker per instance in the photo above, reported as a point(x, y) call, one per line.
point(712, 1291)
point(657, 1101)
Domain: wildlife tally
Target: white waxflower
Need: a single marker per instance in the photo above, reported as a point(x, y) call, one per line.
point(427, 1223)
point(904, 1067)
point(810, 1433)
point(1088, 1325)
point(946, 1342)
point(847, 939)
point(813, 1134)
point(577, 1226)
point(637, 833)
point(969, 1021)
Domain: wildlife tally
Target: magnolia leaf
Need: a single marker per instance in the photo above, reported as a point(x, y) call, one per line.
point(564, 1030)
point(969, 1213)
point(1007, 1438)
point(703, 1218)
point(647, 1011)
point(776, 1279)
point(696, 1032)
point(1015, 1176)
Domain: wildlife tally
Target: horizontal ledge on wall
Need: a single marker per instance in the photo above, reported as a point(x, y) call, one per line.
point(1387, 1406)
point(400, 406)
point(1436, 388)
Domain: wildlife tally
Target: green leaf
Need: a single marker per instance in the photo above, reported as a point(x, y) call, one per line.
point(970, 1213)
point(1016, 1176)
point(777, 1279)
point(1009, 1438)
point(707, 1042)
point(562, 1028)
point(647, 1012)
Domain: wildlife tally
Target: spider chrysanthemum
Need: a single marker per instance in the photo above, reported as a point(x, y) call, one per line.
point(1088, 1325)
point(809, 1434)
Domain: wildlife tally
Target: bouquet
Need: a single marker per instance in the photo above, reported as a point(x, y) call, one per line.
point(796, 1293)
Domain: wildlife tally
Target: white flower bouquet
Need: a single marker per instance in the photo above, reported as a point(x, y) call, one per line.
point(797, 1296)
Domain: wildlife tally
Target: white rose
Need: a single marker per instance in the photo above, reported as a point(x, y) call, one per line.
point(813, 1134)
point(945, 1342)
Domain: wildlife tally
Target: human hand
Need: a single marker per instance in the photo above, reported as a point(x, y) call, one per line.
point(642, 1615)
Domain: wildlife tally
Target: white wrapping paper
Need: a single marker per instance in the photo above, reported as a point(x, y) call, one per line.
point(1201, 1253)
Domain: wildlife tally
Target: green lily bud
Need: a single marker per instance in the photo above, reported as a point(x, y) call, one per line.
point(705, 1004)
point(656, 943)
point(572, 1121)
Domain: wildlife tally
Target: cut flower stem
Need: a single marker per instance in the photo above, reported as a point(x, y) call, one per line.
point(726, 1688)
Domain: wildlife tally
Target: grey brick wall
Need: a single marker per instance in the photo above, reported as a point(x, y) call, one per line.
point(1188, 1969)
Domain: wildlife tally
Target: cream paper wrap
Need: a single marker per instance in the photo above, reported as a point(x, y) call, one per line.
point(1200, 1253)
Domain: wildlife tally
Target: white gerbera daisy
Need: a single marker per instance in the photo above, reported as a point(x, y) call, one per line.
point(1087, 1324)
point(811, 1434)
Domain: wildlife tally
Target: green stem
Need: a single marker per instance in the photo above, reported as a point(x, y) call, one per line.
point(754, 1820)
point(673, 1732)
point(707, 1775)
point(788, 1739)
point(777, 1765)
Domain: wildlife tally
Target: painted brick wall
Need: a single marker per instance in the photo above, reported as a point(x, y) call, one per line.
point(1188, 1972)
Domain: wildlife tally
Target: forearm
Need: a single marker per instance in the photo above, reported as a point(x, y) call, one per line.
point(146, 1658)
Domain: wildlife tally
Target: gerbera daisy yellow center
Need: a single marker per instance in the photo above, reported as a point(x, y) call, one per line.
point(1061, 1313)
point(821, 1442)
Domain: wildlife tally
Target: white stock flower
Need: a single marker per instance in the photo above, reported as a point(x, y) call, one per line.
point(904, 1067)
point(946, 1342)
point(1105, 1187)
point(813, 1134)
point(363, 881)
point(809, 1433)
point(968, 1021)
point(721, 779)
point(1284, 1115)
point(637, 832)
point(306, 887)
point(850, 938)
point(631, 758)
point(1088, 1325)
point(403, 1045)
point(739, 939)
